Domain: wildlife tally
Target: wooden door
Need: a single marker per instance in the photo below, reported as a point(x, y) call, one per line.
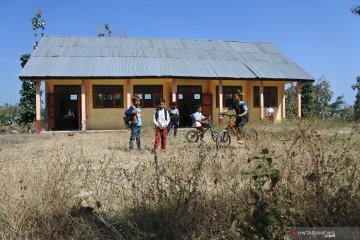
point(206, 102)
point(51, 111)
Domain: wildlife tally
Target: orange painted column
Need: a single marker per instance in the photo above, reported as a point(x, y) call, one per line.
point(38, 107)
point(283, 105)
point(173, 90)
point(298, 97)
point(128, 93)
point(221, 118)
point(261, 100)
point(83, 105)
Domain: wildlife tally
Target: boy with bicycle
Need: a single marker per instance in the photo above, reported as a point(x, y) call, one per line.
point(199, 121)
point(241, 113)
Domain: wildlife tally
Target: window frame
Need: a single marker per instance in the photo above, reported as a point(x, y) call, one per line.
point(226, 90)
point(267, 96)
point(113, 91)
point(149, 89)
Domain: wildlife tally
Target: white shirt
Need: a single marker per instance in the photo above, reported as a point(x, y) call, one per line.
point(198, 117)
point(161, 122)
point(270, 111)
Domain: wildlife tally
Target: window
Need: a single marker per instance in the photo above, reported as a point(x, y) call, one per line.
point(149, 94)
point(228, 95)
point(270, 97)
point(108, 96)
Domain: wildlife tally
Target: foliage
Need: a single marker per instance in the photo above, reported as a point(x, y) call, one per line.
point(357, 101)
point(105, 31)
point(323, 96)
point(9, 115)
point(347, 113)
point(265, 214)
point(356, 10)
point(28, 88)
point(307, 99)
point(66, 187)
point(38, 23)
point(337, 107)
point(290, 101)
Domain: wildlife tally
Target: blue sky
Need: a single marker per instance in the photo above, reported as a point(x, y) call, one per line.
point(322, 36)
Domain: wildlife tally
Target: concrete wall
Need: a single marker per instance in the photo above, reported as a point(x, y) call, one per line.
point(111, 118)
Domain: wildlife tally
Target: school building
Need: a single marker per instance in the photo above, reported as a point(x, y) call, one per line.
point(95, 78)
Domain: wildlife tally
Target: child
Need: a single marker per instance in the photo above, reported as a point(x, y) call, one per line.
point(135, 112)
point(199, 121)
point(241, 111)
point(161, 121)
point(174, 118)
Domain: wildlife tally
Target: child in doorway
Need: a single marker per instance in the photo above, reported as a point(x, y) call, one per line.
point(199, 121)
point(135, 112)
point(174, 118)
point(161, 120)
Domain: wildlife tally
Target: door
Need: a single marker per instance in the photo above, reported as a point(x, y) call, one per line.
point(206, 102)
point(188, 97)
point(51, 111)
point(67, 107)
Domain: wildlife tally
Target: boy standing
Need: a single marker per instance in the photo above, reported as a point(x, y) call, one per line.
point(135, 112)
point(161, 120)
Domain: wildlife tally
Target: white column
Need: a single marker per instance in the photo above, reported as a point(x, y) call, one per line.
point(128, 93)
point(173, 90)
point(283, 105)
point(298, 97)
point(38, 106)
point(83, 106)
point(261, 100)
point(221, 118)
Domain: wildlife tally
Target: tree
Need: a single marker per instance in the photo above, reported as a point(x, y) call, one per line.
point(337, 107)
point(290, 101)
point(323, 95)
point(356, 10)
point(307, 99)
point(347, 113)
point(357, 100)
point(105, 30)
point(28, 88)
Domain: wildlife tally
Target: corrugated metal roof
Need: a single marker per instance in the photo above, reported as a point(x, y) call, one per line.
point(142, 57)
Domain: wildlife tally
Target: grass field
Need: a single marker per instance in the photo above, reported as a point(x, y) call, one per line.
point(90, 186)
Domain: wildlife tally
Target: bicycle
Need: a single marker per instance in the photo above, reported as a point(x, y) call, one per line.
point(194, 135)
point(223, 139)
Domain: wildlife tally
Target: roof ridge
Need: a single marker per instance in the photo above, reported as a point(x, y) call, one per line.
point(160, 38)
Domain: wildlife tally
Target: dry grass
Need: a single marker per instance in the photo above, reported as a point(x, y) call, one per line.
point(90, 186)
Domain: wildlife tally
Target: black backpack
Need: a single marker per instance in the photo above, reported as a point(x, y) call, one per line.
point(157, 114)
point(127, 120)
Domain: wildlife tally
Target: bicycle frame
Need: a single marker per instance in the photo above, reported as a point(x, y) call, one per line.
point(232, 125)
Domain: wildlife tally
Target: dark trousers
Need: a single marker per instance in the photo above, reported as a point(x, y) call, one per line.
point(172, 124)
point(240, 122)
point(135, 134)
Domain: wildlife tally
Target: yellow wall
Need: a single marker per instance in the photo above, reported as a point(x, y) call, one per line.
point(112, 118)
point(247, 88)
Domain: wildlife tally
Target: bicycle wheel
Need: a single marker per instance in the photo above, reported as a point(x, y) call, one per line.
point(250, 134)
point(214, 134)
point(223, 139)
point(192, 136)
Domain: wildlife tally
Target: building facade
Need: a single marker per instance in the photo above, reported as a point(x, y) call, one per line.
point(94, 78)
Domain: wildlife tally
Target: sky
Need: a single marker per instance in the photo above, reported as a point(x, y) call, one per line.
point(321, 36)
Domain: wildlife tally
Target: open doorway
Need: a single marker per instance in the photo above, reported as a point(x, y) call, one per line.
point(188, 97)
point(66, 107)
